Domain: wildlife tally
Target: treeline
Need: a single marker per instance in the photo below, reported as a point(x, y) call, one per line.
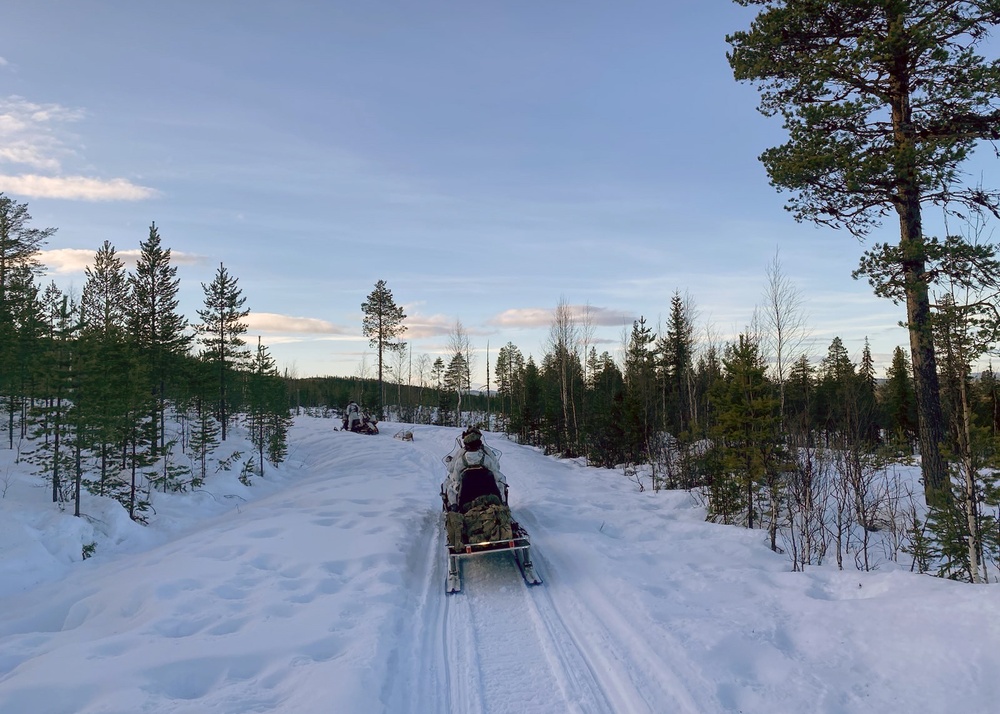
point(768, 438)
point(115, 391)
point(422, 404)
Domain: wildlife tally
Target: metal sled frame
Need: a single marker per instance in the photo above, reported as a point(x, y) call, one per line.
point(482, 483)
point(519, 546)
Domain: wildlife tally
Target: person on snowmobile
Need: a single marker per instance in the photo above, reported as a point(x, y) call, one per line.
point(471, 451)
point(352, 419)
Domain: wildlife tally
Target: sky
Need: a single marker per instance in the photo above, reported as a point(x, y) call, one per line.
point(321, 588)
point(488, 160)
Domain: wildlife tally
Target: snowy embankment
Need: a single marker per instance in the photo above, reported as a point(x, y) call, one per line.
point(325, 593)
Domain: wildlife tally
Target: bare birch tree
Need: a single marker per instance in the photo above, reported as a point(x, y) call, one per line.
point(783, 324)
point(460, 345)
point(563, 343)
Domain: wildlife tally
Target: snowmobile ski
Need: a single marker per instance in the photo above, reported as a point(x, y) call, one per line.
point(527, 568)
point(454, 576)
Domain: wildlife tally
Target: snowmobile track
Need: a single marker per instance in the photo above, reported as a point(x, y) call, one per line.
point(625, 686)
point(517, 653)
point(495, 646)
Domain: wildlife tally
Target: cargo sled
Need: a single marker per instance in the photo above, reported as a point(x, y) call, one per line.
point(478, 521)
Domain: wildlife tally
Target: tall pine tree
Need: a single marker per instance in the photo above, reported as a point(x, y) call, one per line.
point(382, 325)
point(883, 100)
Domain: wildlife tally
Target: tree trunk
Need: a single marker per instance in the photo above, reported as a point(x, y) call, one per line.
point(925, 376)
point(918, 311)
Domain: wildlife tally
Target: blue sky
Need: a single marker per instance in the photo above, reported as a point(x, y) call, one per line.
point(487, 159)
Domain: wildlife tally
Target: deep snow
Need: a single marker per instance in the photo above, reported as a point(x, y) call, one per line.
point(321, 589)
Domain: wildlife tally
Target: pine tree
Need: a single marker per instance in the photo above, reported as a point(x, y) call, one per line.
point(19, 265)
point(708, 372)
point(529, 420)
point(54, 414)
point(156, 328)
point(205, 429)
point(108, 390)
point(882, 102)
point(221, 331)
point(19, 249)
point(509, 368)
point(383, 324)
point(605, 418)
point(455, 379)
point(267, 408)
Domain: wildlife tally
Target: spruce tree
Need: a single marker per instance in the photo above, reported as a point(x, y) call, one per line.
point(156, 328)
point(221, 331)
point(746, 433)
point(605, 426)
point(800, 402)
point(836, 390)
point(640, 390)
point(675, 351)
point(267, 408)
point(899, 401)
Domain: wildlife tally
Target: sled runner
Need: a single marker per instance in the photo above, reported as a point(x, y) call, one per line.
point(477, 517)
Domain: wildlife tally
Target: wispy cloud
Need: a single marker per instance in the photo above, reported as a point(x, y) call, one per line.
point(79, 188)
point(3, 62)
point(274, 323)
point(31, 138)
point(532, 317)
point(29, 134)
point(64, 261)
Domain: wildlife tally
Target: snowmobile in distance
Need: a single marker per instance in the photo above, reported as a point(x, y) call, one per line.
point(476, 514)
point(359, 421)
point(367, 425)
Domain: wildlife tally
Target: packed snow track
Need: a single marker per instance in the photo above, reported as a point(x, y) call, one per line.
point(501, 646)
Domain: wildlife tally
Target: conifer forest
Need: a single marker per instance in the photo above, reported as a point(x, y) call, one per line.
point(117, 393)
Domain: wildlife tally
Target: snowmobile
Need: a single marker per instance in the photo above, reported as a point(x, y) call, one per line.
point(365, 426)
point(479, 491)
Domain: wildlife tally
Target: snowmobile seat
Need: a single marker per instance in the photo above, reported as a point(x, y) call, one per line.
point(477, 481)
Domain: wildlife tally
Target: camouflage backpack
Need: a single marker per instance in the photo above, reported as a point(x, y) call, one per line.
point(487, 519)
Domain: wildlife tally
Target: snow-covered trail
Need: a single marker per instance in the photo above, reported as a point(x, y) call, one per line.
point(500, 646)
point(327, 594)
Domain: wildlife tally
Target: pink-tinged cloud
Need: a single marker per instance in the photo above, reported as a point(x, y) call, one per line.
point(64, 261)
point(74, 188)
point(421, 326)
point(25, 153)
point(533, 317)
point(270, 322)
